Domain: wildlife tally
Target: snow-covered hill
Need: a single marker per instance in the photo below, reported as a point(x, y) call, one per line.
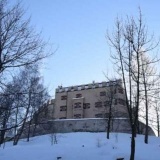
point(81, 146)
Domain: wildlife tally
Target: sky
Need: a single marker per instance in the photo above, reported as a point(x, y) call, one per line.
point(77, 31)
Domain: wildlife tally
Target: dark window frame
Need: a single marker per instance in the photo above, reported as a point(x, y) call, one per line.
point(107, 103)
point(115, 101)
point(77, 105)
point(77, 116)
point(98, 104)
point(121, 101)
point(99, 115)
point(106, 115)
point(64, 97)
point(86, 105)
point(62, 118)
point(79, 95)
point(115, 91)
point(63, 108)
point(103, 93)
point(120, 90)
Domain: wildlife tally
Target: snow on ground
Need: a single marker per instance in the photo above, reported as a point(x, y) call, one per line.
point(82, 146)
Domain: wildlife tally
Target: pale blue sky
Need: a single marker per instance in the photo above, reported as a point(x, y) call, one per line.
point(79, 27)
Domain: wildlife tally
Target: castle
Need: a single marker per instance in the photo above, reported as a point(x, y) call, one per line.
point(87, 108)
point(90, 101)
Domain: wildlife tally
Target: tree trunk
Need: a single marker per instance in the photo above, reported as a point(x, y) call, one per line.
point(108, 128)
point(146, 101)
point(34, 130)
point(158, 129)
point(29, 130)
point(109, 120)
point(132, 143)
point(4, 126)
point(17, 137)
point(2, 134)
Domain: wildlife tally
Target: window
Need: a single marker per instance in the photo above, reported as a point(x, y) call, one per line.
point(120, 90)
point(78, 95)
point(107, 103)
point(121, 101)
point(77, 105)
point(98, 104)
point(86, 105)
point(72, 88)
point(77, 116)
point(103, 93)
point(115, 91)
point(115, 101)
point(63, 108)
point(99, 115)
point(106, 115)
point(96, 85)
point(62, 118)
point(63, 97)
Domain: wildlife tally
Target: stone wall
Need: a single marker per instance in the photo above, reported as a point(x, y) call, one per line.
point(90, 125)
point(87, 125)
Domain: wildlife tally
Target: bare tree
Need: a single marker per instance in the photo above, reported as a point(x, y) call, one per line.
point(6, 102)
point(23, 122)
point(20, 100)
point(110, 113)
point(109, 106)
point(20, 45)
point(155, 115)
point(38, 99)
point(112, 104)
point(149, 80)
point(35, 97)
point(107, 100)
point(129, 40)
point(157, 121)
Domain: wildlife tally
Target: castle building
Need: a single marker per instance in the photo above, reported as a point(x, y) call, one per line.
point(87, 108)
point(90, 101)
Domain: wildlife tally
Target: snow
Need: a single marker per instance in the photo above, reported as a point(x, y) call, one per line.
point(82, 146)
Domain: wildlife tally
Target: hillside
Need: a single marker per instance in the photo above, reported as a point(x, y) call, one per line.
point(81, 146)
